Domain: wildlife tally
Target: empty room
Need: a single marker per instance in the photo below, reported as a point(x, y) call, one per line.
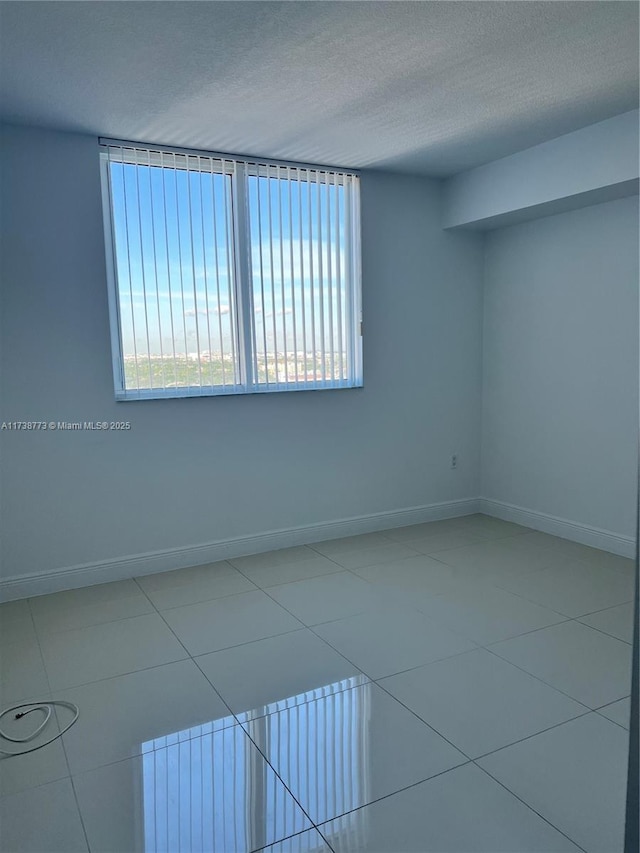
point(319, 426)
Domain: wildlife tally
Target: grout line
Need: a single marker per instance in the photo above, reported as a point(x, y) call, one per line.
point(600, 630)
point(61, 738)
point(45, 634)
point(233, 715)
point(339, 570)
point(390, 674)
point(525, 803)
point(604, 609)
point(538, 678)
point(609, 720)
point(189, 655)
point(562, 621)
point(393, 794)
point(614, 702)
point(324, 838)
point(550, 728)
point(428, 725)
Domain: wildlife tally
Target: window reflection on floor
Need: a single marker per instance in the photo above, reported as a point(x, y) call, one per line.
point(209, 788)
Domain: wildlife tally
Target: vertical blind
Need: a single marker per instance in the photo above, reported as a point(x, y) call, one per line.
point(229, 275)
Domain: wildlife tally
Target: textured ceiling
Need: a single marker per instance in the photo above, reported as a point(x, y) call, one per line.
point(424, 87)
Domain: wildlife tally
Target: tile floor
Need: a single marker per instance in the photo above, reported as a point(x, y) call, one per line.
point(456, 686)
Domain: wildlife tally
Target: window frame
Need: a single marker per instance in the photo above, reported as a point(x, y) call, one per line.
point(240, 169)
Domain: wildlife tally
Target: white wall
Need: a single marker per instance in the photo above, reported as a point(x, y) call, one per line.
point(560, 366)
point(200, 470)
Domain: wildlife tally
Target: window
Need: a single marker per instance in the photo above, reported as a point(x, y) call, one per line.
point(229, 276)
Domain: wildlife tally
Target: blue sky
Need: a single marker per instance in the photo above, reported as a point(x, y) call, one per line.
point(174, 248)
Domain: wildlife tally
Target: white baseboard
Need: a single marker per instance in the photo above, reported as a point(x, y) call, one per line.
point(121, 568)
point(583, 533)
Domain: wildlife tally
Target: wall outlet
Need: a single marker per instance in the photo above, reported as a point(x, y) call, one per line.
point(454, 460)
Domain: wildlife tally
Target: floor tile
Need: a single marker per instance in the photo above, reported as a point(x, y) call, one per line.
point(214, 792)
point(224, 622)
point(461, 811)
point(574, 776)
point(198, 583)
point(19, 772)
point(113, 648)
point(305, 842)
point(413, 575)
point(357, 559)
point(350, 544)
point(326, 598)
point(576, 551)
point(479, 702)
point(342, 751)
point(90, 605)
point(42, 820)
point(22, 672)
point(267, 559)
point(389, 640)
point(16, 625)
point(491, 528)
point(424, 530)
point(119, 715)
point(618, 712)
point(312, 566)
point(615, 621)
point(573, 589)
point(444, 541)
point(486, 614)
point(501, 558)
point(590, 666)
point(251, 676)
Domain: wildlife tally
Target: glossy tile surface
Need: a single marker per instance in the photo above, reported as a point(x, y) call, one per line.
point(486, 614)
point(16, 625)
point(507, 704)
point(191, 791)
point(22, 672)
point(618, 712)
point(586, 664)
point(412, 578)
point(498, 558)
point(91, 605)
point(574, 776)
point(251, 676)
point(573, 589)
point(139, 707)
point(309, 565)
point(42, 820)
point(576, 551)
point(340, 751)
point(350, 544)
point(364, 670)
point(325, 599)
point(255, 562)
point(357, 559)
point(305, 842)
point(389, 640)
point(427, 528)
point(189, 586)
point(615, 621)
point(444, 541)
point(230, 621)
point(462, 810)
point(112, 648)
point(490, 528)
